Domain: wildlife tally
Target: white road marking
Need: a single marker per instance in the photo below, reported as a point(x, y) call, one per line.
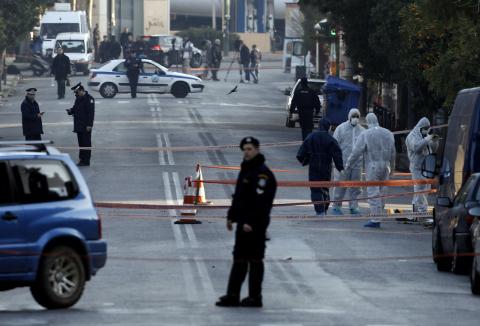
point(171, 161)
point(243, 105)
point(123, 102)
point(192, 293)
point(177, 233)
point(205, 277)
point(152, 99)
point(161, 154)
point(191, 236)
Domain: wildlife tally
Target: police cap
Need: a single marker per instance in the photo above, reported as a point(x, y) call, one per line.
point(31, 91)
point(249, 140)
point(77, 87)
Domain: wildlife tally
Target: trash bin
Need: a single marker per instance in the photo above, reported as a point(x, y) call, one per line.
point(300, 72)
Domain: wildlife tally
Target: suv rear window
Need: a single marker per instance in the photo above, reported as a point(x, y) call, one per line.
point(43, 181)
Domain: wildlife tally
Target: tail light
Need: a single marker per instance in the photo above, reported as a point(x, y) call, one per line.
point(156, 48)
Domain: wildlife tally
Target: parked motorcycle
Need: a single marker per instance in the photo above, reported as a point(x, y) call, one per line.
point(39, 65)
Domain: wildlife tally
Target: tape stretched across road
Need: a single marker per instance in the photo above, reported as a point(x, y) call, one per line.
point(335, 184)
point(120, 205)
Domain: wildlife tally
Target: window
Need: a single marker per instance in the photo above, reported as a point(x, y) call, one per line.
point(148, 68)
point(120, 68)
point(43, 181)
point(51, 30)
point(5, 188)
point(71, 46)
point(462, 196)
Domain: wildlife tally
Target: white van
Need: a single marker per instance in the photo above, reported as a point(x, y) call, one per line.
point(79, 49)
point(55, 22)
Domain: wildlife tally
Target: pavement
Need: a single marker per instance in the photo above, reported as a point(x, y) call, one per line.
point(318, 272)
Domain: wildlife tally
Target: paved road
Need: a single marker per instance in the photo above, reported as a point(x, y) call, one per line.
point(158, 273)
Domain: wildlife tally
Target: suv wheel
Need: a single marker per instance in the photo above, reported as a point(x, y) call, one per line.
point(108, 90)
point(475, 277)
point(444, 264)
point(180, 90)
point(60, 280)
point(460, 262)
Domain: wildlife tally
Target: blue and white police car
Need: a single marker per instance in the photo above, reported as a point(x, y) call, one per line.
point(111, 79)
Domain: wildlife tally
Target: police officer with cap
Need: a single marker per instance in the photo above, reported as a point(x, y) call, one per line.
point(134, 66)
point(83, 112)
point(31, 116)
point(250, 209)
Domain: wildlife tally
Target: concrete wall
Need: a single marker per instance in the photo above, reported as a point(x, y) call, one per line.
point(262, 40)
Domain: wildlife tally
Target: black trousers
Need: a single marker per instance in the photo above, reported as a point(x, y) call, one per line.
point(246, 69)
point(320, 194)
point(255, 268)
point(61, 88)
point(133, 81)
point(84, 140)
point(214, 69)
point(33, 137)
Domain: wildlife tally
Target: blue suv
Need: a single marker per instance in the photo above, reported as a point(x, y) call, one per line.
point(50, 233)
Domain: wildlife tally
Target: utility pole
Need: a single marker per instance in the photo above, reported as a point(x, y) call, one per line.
point(337, 52)
point(214, 16)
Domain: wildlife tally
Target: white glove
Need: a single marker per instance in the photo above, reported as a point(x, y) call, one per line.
point(429, 138)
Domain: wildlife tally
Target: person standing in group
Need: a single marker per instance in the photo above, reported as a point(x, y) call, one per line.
point(245, 61)
point(346, 135)
point(134, 67)
point(419, 145)
point(255, 58)
point(61, 68)
point(251, 206)
point(128, 46)
point(318, 151)
point(104, 50)
point(125, 37)
point(208, 58)
point(307, 102)
point(377, 146)
point(115, 48)
point(139, 47)
point(31, 116)
point(96, 41)
point(187, 53)
point(83, 112)
point(216, 59)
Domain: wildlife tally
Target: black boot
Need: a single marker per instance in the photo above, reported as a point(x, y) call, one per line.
point(252, 302)
point(228, 301)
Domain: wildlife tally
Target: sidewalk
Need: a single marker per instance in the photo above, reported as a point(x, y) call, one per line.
point(9, 89)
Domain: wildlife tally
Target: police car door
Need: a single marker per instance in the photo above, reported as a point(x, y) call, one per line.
point(152, 80)
point(120, 78)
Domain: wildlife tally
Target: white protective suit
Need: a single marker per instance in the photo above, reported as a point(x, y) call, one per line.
point(377, 145)
point(418, 147)
point(346, 135)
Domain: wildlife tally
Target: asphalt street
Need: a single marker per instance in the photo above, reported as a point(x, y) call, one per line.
point(317, 272)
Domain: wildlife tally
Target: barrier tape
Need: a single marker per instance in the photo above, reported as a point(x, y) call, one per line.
point(294, 171)
point(119, 205)
point(335, 184)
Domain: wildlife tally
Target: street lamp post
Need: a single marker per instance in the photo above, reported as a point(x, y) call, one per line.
point(318, 28)
point(226, 43)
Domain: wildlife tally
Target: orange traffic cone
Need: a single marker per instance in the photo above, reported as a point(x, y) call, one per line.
point(200, 197)
point(188, 197)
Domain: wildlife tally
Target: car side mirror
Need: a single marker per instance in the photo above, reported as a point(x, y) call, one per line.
point(288, 91)
point(444, 202)
point(471, 204)
point(475, 211)
point(429, 166)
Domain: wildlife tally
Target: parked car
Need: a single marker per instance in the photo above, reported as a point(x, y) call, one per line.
point(292, 117)
point(160, 49)
point(111, 79)
point(50, 232)
point(475, 271)
point(456, 166)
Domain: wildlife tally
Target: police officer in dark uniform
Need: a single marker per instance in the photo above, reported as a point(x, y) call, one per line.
point(83, 112)
point(134, 66)
point(306, 101)
point(251, 205)
point(31, 116)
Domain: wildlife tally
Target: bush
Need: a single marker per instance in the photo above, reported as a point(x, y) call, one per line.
point(198, 36)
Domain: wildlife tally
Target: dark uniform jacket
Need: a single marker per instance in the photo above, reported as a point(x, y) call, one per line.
point(318, 150)
point(32, 124)
point(134, 66)
point(244, 55)
point(83, 112)
point(307, 102)
point(61, 67)
point(252, 203)
point(115, 50)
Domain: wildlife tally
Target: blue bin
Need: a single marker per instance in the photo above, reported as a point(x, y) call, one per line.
point(341, 95)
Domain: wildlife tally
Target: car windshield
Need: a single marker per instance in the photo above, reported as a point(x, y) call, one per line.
point(71, 46)
point(51, 30)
